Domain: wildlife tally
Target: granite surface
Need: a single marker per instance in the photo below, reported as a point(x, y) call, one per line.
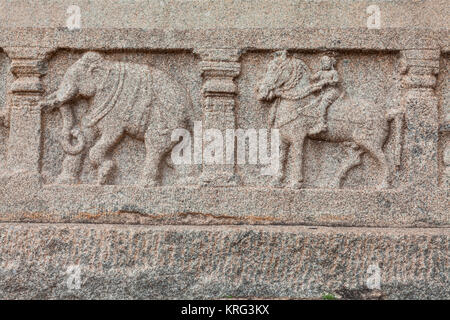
point(204, 149)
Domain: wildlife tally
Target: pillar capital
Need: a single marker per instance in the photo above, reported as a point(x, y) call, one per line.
point(28, 65)
point(419, 68)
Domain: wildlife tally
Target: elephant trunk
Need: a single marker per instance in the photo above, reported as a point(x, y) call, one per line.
point(70, 133)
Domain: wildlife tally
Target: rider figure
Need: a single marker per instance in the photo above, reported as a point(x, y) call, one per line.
point(328, 80)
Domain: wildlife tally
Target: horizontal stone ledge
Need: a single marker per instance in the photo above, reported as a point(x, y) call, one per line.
point(230, 205)
point(252, 38)
point(156, 262)
point(187, 14)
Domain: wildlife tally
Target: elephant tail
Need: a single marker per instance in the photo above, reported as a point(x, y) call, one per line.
point(4, 117)
point(396, 117)
point(66, 142)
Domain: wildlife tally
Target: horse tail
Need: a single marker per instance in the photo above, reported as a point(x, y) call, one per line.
point(396, 117)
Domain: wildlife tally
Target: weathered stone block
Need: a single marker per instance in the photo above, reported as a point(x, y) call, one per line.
point(38, 260)
point(203, 149)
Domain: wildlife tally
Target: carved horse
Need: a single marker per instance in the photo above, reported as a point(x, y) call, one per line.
point(360, 125)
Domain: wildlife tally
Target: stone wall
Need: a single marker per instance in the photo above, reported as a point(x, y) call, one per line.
point(255, 148)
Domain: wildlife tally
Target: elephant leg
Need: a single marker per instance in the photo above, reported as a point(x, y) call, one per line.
point(71, 168)
point(72, 164)
point(99, 154)
point(157, 146)
point(297, 151)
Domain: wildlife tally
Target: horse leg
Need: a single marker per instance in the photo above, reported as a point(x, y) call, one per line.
point(156, 147)
point(99, 153)
point(277, 180)
point(353, 161)
point(297, 149)
point(376, 151)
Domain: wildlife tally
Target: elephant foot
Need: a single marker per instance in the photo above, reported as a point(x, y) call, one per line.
point(383, 185)
point(149, 180)
point(206, 179)
point(296, 185)
point(103, 172)
point(66, 179)
point(186, 181)
point(277, 182)
point(150, 183)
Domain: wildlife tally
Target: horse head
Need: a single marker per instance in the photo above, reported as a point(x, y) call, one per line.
point(283, 74)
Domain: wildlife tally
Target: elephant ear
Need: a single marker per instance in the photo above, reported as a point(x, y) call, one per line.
point(92, 62)
point(95, 69)
point(98, 73)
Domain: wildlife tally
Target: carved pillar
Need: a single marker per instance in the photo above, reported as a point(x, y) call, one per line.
point(420, 68)
point(219, 67)
point(28, 65)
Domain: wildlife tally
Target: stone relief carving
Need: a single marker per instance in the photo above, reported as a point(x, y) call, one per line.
point(315, 107)
point(103, 99)
point(125, 99)
point(222, 89)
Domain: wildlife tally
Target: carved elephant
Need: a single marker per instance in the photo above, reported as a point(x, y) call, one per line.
point(124, 98)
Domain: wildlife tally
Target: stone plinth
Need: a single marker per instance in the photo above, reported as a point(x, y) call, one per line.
point(218, 262)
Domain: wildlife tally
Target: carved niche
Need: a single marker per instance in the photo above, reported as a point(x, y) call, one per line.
point(109, 117)
point(338, 114)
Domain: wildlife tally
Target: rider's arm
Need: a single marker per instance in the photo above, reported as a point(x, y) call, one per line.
point(333, 81)
point(334, 78)
point(315, 76)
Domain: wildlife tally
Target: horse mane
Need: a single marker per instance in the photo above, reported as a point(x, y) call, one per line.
point(295, 69)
